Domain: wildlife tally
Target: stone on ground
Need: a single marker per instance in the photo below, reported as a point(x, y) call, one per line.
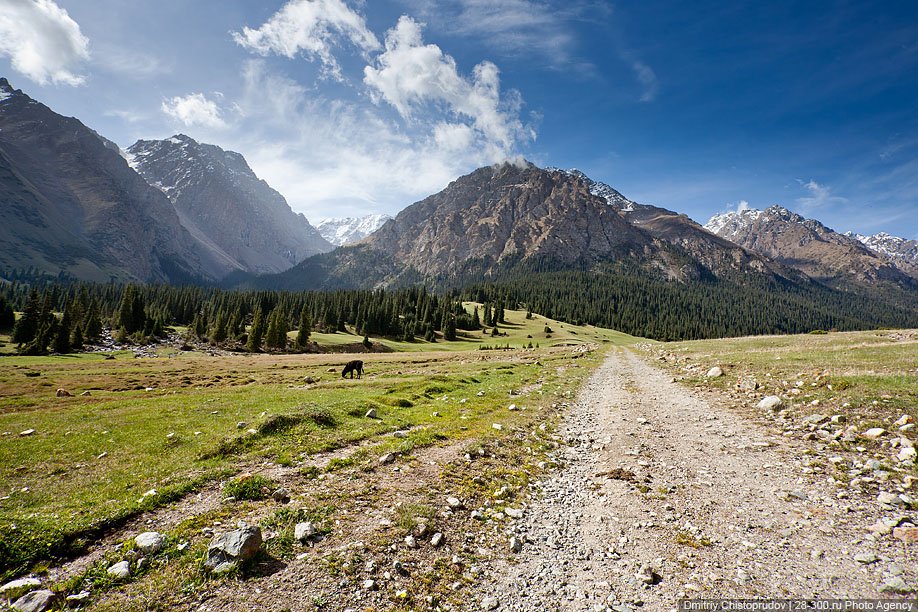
point(233, 547)
point(36, 601)
point(150, 542)
point(120, 570)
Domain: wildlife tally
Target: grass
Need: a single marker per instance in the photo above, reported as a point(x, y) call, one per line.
point(152, 430)
point(871, 377)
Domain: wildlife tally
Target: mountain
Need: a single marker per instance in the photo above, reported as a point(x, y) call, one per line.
point(513, 217)
point(221, 201)
point(69, 203)
point(900, 252)
point(349, 230)
point(807, 245)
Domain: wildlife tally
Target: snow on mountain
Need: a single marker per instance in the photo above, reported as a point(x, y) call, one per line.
point(350, 229)
point(901, 252)
point(610, 195)
point(728, 222)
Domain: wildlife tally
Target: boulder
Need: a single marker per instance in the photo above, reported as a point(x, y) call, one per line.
point(281, 495)
point(304, 531)
point(873, 433)
point(233, 547)
point(120, 570)
point(771, 402)
point(715, 372)
point(18, 588)
point(150, 542)
point(36, 601)
point(63, 393)
point(371, 413)
point(907, 453)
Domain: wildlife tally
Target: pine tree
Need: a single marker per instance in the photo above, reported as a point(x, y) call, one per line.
point(302, 334)
point(76, 338)
point(276, 336)
point(449, 334)
point(92, 328)
point(27, 326)
point(61, 342)
point(476, 320)
point(7, 316)
point(487, 319)
point(256, 333)
point(218, 334)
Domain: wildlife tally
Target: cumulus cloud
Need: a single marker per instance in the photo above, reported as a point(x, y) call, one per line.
point(194, 110)
point(819, 196)
point(414, 77)
point(42, 41)
point(310, 27)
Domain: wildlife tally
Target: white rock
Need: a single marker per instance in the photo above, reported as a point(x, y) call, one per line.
point(902, 420)
point(515, 544)
point(771, 402)
point(27, 432)
point(873, 433)
point(304, 531)
point(907, 453)
point(454, 503)
point(17, 588)
point(497, 426)
point(715, 372)
point(36, 601)
point(436, 539)
point(489, 603)
point(371, 413)
point(150, 542)
point(120, 570)
point(514, 513)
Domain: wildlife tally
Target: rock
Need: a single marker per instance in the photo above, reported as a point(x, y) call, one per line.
point(77, 600)
point(866, 558)
point(281, 496)
point(902, 420)
point(150, 542)
point(85, 394)
point(908, 427)
point(497, 426)
point(515, 545)
point(489, 603)
point(514, 513)
point(309, 380)
point(909, 535)
point(387, 458)
point(512, 407)
point(873, 433)
point(371, 413)
point(436, 540)
point(63, 393)
point(241, 425)
point(839, 418)
point(27, 432)
point(369, 585)
point(815, 419)
point(304, 531)
point(120, 570)
point(907, 453)
point(332, 370)
point(36, 601)
point(227, 567)
point(771, 402)
point(715, 372)
point(648, 575)
point(747, 384)
point(454, 503)
point(233, 547)
point(895, 585)
point(18, 588)
point(889, 499)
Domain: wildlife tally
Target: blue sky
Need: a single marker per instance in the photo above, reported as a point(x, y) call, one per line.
point(350, 107)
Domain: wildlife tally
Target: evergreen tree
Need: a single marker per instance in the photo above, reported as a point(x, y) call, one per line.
point(7, 316)
point(27, 326)
point(366, 342)
point(449, 333)
point(218, 334)
point(276, 336)
point(92, 327)
point(76, 338)
point(61, 342)
point(487, 319)
point(476, 320)
point(256, 333)
point(305, 329)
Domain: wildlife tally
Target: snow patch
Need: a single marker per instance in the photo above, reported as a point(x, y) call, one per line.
point(350, 229)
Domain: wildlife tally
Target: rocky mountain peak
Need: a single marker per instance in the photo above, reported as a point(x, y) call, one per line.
point(348, 230)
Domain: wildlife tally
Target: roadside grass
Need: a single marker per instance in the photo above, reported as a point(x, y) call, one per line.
point(152, 430)
point(871, 377)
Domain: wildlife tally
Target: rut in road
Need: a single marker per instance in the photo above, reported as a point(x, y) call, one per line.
point(717, 507)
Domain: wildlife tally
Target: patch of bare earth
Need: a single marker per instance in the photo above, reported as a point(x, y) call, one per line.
point(665, 494)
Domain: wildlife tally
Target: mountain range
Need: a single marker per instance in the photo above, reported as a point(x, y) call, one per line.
point(176, 210)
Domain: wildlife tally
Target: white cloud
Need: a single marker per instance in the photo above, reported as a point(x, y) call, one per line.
point(648, 78)
point(415, 77)
point(743, 205)
point(820, 196)
point(332, 157)
point(194, 109)
point(310, 27)
point(42, 41)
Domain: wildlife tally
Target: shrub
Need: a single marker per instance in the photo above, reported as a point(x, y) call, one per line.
point(248, 486)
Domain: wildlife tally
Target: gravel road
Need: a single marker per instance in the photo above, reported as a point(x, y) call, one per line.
point(664, 495)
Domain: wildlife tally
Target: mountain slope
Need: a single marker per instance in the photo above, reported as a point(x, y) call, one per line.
point(348, 230)
point(224, 204)
point(806, 245)
point(900, 252)
point(71, 204)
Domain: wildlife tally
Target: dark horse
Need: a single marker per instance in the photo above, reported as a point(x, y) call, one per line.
point(351, 367)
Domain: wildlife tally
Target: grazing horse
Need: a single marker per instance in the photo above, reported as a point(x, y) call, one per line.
point(351, 367)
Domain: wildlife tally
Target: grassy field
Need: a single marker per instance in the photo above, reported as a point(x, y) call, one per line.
point(136, 434)
point(871, 377)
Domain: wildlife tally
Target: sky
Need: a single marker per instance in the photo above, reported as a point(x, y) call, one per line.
point(350, 107)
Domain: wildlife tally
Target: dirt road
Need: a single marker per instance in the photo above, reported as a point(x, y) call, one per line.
point(665, 495)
